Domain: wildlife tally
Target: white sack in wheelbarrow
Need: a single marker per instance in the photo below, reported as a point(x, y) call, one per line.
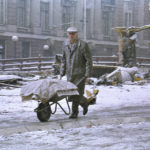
point(45, 89)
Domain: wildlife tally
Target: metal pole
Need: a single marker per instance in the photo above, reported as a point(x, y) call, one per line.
point(15, 39)
point(15, 49)
point(84, 20)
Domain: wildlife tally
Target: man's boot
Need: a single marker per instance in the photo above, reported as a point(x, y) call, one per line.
point(73, 116)
point(84, 103)
point(85, 109)
point(75, 104)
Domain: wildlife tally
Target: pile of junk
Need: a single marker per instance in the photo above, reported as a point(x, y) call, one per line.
point(122, 75)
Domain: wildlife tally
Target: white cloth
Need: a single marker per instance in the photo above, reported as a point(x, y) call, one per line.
point(45, 89)
point(133, 37)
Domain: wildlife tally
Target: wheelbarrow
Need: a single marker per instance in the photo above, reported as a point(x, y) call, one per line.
point(44, 110)
point(48, 92)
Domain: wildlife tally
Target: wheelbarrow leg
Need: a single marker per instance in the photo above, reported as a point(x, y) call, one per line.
point(67, 113)
point(57, 103)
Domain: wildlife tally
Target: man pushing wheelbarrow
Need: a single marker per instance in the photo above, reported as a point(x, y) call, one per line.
point(77, 66)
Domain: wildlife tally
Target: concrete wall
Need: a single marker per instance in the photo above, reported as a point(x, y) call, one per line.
point(37, 38)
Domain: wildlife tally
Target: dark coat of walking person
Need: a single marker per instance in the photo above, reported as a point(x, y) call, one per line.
point(77, 66)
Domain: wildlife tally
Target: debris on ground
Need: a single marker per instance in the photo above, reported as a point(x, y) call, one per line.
point(56, 65)
point(10, 80)
point(91, 96)
point(121, 75)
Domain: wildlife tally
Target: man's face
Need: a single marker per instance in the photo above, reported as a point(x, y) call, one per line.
point(73, 36)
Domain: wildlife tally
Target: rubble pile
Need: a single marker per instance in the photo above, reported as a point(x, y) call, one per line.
point(10, 80)
point(122, 75)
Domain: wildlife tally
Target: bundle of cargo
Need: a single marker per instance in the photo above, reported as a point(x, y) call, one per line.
point(45, 89)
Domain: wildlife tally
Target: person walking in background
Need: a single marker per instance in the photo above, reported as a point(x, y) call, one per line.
point(77, 66)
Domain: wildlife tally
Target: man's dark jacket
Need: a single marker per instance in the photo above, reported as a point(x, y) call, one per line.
point(76, 63)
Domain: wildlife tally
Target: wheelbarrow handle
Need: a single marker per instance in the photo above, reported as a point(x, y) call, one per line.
point(83, 78)
point(79, 81)
point(59, 77)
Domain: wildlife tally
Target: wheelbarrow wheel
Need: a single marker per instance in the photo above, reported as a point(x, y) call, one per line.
point(43, 112)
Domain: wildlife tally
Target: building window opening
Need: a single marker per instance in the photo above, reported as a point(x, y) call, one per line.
point(2, 49)
point(1, 11)
point(68, 15)
point(25, 49)
point(44, 15)
point(21, 13)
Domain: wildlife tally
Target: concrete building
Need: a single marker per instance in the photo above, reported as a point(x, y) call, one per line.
point(27, 25)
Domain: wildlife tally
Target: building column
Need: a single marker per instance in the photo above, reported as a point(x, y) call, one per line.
point(51, 15)
point(35, 16)
point(28, 11)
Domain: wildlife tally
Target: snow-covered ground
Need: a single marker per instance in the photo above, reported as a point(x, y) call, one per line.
point(106, 137)
point(129, 136)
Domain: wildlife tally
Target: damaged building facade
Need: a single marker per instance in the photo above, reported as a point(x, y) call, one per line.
point(32, 28)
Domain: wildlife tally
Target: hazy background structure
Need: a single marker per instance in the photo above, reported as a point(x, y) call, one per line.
point(31, 28)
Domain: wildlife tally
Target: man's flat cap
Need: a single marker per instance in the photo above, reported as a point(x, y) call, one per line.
point(72, 29)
